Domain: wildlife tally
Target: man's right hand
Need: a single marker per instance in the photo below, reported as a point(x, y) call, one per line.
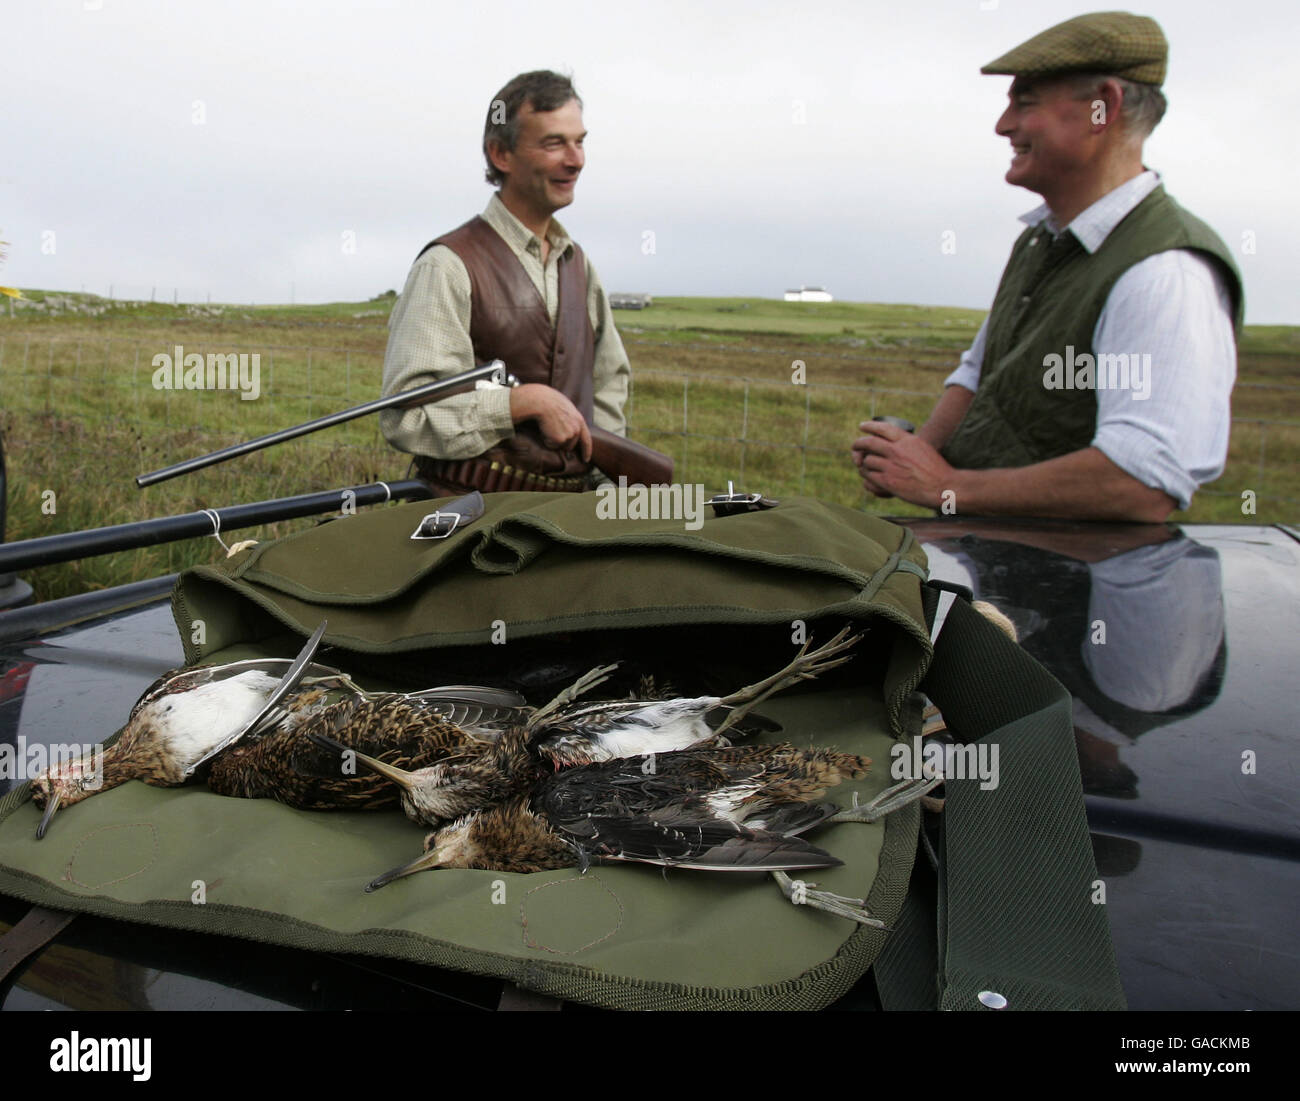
point(558, 419)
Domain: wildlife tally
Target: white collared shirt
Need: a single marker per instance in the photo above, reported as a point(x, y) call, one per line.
point(1176, 306)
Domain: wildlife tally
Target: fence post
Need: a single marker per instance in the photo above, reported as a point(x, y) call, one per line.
point(803, 449)
point(744, 433)
point(686, 438)
point(1263, 432)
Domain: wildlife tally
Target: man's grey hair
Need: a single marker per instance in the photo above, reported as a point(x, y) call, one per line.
point(1142, 108)
point(542, 90)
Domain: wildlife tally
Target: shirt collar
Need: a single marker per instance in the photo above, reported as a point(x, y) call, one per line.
point(518, 236)
point(1093, 226)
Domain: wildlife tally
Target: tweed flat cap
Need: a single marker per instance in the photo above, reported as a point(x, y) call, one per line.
point(1111, 42)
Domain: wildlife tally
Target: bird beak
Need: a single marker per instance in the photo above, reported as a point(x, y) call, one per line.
point(399, 776)
point(430, 859)
point(50, 807)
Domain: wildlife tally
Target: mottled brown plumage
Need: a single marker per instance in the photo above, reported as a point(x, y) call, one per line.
point(693, 808)
point(733, 781)
point(566, 733)
point(480, 775)
point(287, 765)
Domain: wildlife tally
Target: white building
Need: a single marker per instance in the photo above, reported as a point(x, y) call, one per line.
point(809, 294)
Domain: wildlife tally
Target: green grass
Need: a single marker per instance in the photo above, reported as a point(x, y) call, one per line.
point(81, 417)
point(852, 324)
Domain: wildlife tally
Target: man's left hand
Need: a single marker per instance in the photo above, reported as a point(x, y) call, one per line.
point(897, 463)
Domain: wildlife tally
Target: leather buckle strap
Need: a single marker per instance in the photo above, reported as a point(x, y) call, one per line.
point(451, 517)
point(35, 929)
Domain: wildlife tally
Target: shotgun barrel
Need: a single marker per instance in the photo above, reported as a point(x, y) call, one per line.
point(454, 384)
point(615, 455)
point(48, 550)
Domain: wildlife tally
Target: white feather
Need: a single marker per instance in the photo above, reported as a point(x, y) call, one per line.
point(728, 802)
point(193, 721)
point(660, 727)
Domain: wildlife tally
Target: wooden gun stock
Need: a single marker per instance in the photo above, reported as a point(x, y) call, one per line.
point(619, 457)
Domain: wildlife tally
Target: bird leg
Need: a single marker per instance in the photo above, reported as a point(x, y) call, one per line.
point(581, 686)
point(584, 858)
point(342, 681)
point(889, 800)
point(905, 791)
point(799, 894)
point(804, 667)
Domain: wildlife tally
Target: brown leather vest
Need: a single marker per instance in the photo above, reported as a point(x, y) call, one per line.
point(508, 321)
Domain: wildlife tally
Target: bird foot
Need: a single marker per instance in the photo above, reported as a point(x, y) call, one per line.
point(800, 893)
point(805, 666)
point(339, 681)
point(889, 800)
point(581, 686)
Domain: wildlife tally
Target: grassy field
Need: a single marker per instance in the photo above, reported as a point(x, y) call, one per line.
point(712, 387)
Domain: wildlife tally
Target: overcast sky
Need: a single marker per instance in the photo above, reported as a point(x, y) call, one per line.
point(229, 148)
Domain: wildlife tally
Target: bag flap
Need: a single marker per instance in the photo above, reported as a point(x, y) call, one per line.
point(541, 564)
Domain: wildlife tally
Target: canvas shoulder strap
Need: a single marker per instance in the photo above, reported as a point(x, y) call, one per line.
point(1015, 884)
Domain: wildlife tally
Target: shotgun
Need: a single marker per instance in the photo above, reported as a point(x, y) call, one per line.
point(614, 455)
point(619, 457)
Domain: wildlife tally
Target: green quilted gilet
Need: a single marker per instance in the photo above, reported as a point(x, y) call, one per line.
point(1051, 295)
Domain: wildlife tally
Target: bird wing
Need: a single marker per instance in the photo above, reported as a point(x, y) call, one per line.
point(631, 786)
point(477, 709)
point(292, 677)
point(791, 819)
point(705, 844)
point(196, 675)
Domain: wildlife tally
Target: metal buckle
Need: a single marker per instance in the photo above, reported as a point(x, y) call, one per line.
point(438, 525)
point(731, 502)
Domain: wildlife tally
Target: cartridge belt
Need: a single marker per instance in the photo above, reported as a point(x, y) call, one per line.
point(493, 476)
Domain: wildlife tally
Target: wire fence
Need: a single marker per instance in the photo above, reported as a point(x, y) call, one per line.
point(810, 402)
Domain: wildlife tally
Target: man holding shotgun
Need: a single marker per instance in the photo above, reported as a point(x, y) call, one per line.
point(511, 285)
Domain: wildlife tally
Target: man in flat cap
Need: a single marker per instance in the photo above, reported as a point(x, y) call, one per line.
point(1098, 387)
point(511, 285)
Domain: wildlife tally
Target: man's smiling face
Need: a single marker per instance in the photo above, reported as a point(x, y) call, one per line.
point(1049, 128)
point(542, 169)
